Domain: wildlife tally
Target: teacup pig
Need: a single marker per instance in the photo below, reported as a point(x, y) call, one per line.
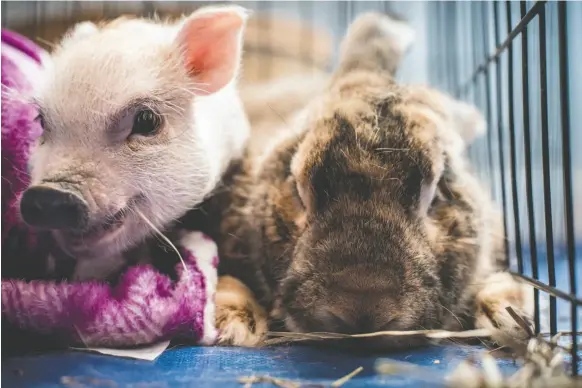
point(140, 120)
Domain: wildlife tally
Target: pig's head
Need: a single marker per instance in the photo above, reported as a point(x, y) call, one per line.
point(140, 120)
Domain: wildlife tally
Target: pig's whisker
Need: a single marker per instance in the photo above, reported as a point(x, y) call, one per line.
point(167, 240)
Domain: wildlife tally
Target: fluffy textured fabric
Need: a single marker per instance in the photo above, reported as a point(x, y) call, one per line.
point(144, 307)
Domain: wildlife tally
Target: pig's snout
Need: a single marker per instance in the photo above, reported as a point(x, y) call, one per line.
point(50, 208)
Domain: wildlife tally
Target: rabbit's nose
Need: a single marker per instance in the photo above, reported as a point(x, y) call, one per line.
point(356, 325)
point(50, 208)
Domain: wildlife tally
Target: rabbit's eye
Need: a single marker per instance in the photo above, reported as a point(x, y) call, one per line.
point(297, 201)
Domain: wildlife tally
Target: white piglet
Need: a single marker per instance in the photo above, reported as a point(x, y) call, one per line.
point(141, 118)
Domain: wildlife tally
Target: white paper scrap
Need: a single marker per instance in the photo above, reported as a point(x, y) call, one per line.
point(149, 353)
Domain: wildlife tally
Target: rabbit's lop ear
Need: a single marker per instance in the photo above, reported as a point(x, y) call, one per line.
point(427, 193)
point(431, 167)
point(321, 164)
point(375, 42)
point(469, 121)
point(466, 119)
point(211, 44)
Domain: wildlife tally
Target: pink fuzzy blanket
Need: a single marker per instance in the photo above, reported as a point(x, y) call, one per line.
point(145, 306)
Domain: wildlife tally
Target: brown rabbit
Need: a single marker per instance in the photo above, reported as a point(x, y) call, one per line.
point(364, 216)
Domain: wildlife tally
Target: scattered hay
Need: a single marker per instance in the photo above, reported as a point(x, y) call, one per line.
point(542, 360)
point(542, 366)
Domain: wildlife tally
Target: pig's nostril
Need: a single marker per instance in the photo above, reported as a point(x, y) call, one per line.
point(49, 208)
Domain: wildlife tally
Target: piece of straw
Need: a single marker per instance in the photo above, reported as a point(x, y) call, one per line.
point(520, 321)
point(346, 378)
point(249, 381)
point(281, 383)
point(403, 368)
point(434, 334)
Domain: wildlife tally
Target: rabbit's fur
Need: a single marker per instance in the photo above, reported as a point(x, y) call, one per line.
point(363, 215)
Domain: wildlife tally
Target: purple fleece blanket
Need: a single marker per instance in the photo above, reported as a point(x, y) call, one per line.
point(144, 307)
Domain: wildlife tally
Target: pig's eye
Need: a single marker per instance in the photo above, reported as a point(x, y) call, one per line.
point(40, 119)
point(146, 122)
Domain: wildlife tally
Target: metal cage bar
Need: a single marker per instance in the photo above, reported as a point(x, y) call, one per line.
point(546, 170)
point(512, 141)
point(528, 164)
point(500, 129)
point(487, 75)
point(567, 172)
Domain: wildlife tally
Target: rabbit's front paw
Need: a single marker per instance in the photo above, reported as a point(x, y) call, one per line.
point(500, 291)
point(239, 318)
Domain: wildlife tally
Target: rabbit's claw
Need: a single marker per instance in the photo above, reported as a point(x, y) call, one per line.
point(500, 292)
point(239, 319)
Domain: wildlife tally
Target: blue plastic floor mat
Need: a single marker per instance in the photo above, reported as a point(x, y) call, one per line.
point(222, 367)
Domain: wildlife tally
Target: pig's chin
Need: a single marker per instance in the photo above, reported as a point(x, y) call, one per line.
point(110, 236)
point(103, 240)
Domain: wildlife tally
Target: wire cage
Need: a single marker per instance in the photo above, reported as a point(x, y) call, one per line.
point(513, 60)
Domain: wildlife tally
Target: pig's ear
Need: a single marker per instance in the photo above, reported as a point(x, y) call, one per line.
point(211, 44)
point(79, 32)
